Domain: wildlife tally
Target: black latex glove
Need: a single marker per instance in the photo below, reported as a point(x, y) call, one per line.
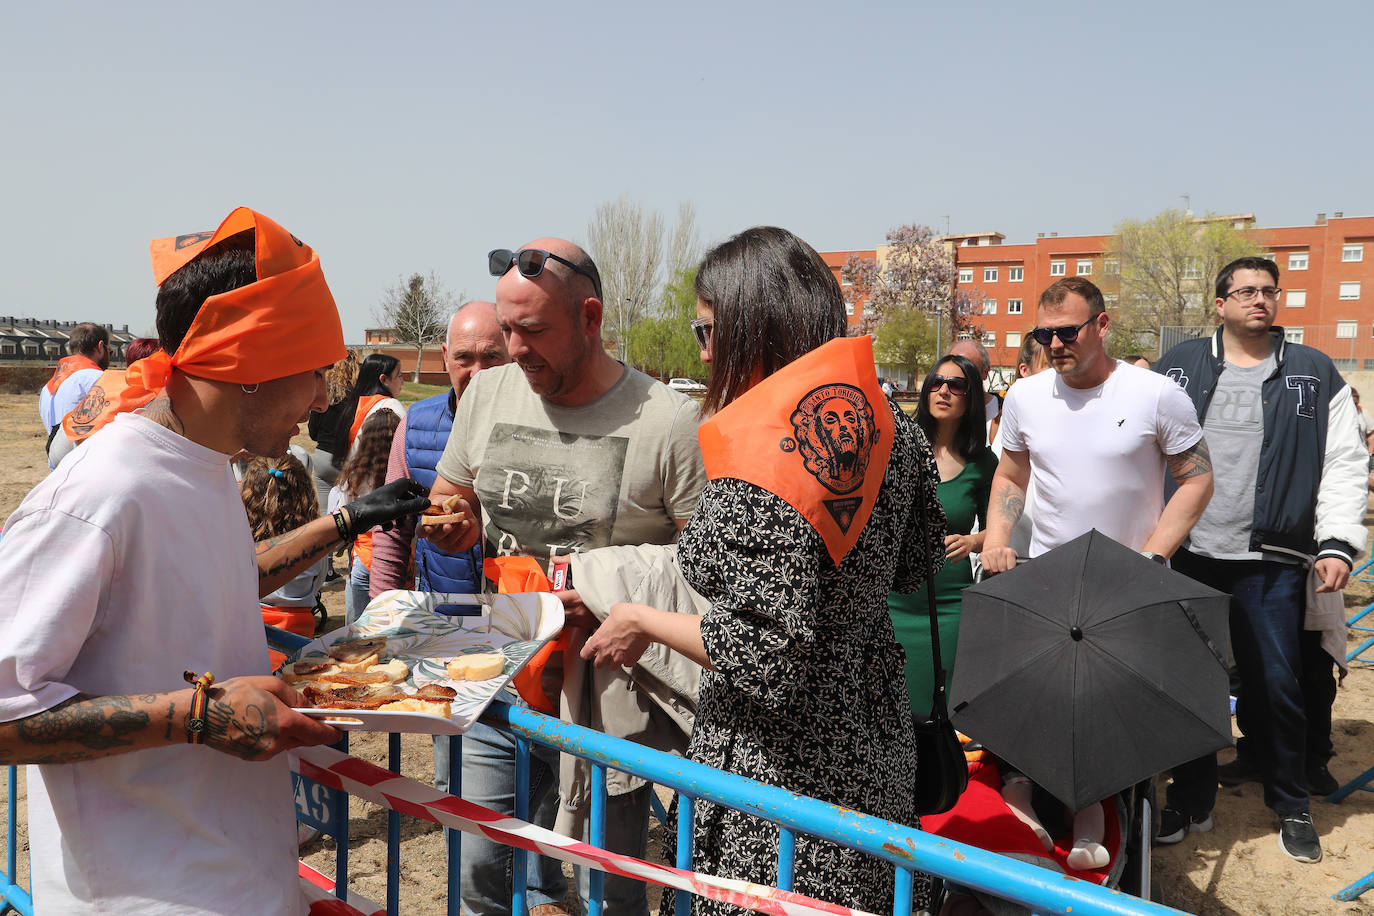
point(386, 504)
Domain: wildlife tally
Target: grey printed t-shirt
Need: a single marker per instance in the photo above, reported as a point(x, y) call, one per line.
point(558, 480)
point(1234, 429)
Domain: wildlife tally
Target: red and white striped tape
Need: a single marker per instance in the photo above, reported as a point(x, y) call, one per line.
point(338, 770)
point(318, 890)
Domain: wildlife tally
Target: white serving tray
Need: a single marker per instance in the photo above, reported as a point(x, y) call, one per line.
point(515, 625)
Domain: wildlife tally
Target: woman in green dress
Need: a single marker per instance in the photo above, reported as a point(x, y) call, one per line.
point(951, 414)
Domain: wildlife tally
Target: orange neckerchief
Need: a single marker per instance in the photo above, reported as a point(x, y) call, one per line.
point(66, 366)
point(111, 395)
point(284, 324)
point(360, 414)
point(817, 433)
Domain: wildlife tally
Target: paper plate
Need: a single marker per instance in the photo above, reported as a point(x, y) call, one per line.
point(515, 625)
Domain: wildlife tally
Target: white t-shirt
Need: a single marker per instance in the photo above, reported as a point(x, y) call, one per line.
point(1097, 454)
point(129, 564)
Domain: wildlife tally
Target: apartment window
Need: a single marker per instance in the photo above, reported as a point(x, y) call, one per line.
point(965, 274)
point(849, 308)
point(989, 274)
point(1013, 338)
point(1085, 268)
point(1296, 298)
point(989, 306)
point(1013, 306)
point(1057, 268)
point(7, 349)
point(1292, 335)
point(1297, 260)
point(1345, 330)
point(1192, 269)
point(1016, 274)
point(1111, 267)
point(1350, 290)
point(1109, 299)
point(1352, 252)
point(989, 338)
point(30, 349)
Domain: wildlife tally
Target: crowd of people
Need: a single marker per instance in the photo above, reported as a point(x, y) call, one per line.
point(747, 579)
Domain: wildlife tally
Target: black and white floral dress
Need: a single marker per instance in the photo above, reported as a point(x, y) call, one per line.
point(809, 692)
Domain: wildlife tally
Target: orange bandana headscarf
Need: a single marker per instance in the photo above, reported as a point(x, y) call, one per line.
point(283, 324)
point(66, 367)
point(817, 433)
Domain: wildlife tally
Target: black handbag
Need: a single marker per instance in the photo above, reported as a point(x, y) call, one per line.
point(941, 768)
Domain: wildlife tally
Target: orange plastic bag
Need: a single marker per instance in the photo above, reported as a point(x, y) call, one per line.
point(522, 574)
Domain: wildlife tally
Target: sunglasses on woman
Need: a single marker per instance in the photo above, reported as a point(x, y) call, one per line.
point(958, 385)
point(701, 330)
point(530, 262)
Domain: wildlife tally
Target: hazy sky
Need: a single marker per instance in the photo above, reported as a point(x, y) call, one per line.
point(405, 137)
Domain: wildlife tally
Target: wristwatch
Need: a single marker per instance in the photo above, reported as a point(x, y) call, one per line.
point(1159, 558)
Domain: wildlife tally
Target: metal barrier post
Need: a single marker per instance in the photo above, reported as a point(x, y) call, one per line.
point(12, 896)
point(596, 879)
point(682, 905)
point(521, 863)
point(453, 839)
point(393, 834)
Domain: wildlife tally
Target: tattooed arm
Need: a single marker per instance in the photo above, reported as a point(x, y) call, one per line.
point(248, 717)
point(282, 558)
point(1192, 471)
point(1006, 502)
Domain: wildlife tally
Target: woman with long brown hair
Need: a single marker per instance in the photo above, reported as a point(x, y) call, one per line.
point(810, 516)
point(363, 472)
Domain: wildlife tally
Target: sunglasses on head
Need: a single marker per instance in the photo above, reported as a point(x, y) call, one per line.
point(530, 262)
point(701, 330)
point(957, 384)
point(1067, 335)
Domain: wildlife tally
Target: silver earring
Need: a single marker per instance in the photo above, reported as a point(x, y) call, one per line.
point(250, 390)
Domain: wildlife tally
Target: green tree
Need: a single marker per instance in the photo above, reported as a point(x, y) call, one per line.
point(663, 343)
point(1162, 271)
point(905, 339)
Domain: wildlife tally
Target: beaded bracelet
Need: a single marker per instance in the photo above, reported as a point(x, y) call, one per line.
point(342, 526)
point(195, 724)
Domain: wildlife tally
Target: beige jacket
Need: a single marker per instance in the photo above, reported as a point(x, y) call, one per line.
point(655, 702)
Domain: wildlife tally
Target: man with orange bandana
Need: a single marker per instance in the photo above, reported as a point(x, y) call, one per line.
point(131, 571)
point(89, 346)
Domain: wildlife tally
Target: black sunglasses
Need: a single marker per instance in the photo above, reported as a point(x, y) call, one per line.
point(530, 262)
point(701, 330)
point(957, 385)
point(1068, 335)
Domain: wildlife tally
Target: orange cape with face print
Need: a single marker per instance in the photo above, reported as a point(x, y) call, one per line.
point(66, 366)
point(111, 395)
point(817, 433)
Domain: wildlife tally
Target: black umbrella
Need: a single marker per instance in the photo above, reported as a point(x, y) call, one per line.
point(1091, 668)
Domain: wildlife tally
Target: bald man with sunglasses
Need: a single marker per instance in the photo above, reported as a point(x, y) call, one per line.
point(564, 451)
point(1096, 436)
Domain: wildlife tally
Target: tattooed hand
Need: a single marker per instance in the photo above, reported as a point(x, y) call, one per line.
point(252, 718)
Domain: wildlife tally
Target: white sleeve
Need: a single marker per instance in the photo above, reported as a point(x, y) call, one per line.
point(1342, 496)
point(1009, 431)
point(55, 572)
point(1176, 425)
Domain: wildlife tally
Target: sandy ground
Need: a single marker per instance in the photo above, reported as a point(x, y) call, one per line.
point(1236, 870)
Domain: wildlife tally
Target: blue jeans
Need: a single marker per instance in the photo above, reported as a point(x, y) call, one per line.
point(356, 597)
point(486, 866)
point(1268, 603)
point(489, 779)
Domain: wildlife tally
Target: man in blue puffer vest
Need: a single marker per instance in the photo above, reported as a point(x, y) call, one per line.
point(473, 343)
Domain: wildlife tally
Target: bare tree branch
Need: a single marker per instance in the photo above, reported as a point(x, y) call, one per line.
point(416, 310)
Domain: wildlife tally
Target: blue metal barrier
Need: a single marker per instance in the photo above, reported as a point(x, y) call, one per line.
point(12, 896)
point(910, 850)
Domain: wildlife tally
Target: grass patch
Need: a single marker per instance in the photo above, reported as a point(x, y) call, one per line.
point(414, 391)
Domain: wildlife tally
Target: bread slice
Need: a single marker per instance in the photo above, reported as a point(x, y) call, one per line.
point(441, 708)
point(479, 666)
point(395, 670)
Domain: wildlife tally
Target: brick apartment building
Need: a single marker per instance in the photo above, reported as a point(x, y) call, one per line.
point(1326, 270)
